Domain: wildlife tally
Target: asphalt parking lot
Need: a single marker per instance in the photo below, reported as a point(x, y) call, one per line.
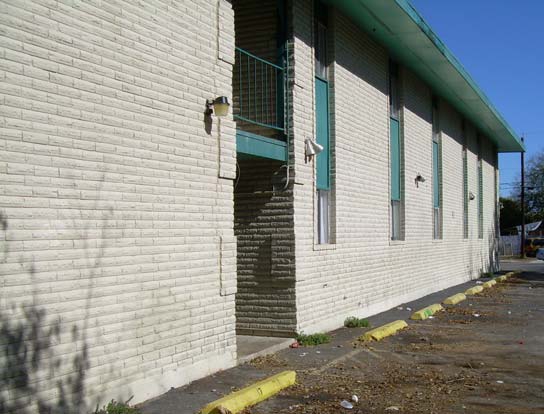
point(483, 355)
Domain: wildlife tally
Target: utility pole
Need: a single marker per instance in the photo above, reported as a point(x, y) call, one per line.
point(522, 201)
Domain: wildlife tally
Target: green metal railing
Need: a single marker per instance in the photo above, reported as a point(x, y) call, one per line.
point(258, 93)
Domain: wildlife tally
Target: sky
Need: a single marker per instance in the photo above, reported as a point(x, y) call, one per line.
point(501, 44)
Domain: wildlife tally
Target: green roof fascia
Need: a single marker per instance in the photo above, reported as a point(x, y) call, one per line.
point(402, 30)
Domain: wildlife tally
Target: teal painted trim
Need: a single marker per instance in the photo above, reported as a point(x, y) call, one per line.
point(409, 39)
point(242, 118)
point(395, 158)
point(436, 174)
point(322, 134)
point(480, 200)
point(259, 146)
point(425, 28)
point(266, 62)
point(465, 191)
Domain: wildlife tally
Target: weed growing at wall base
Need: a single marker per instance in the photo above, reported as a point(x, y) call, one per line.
point(314, 339)
point(115, 407)
point(354, 322)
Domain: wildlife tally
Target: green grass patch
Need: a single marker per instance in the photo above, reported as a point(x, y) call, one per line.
point(314, 339)
point(354, 322)
point(115, 407)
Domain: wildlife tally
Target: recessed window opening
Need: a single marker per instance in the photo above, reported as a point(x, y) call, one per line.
point(322, 115)
point(437, 172)
point(395, 155)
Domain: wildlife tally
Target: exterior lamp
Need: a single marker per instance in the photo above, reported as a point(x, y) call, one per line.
point(419, 179)
point(312, 148)
point(220, 106)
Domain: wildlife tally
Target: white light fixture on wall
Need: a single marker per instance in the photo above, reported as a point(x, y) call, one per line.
point(471, 195)
point(312, 148)
point(220, 106)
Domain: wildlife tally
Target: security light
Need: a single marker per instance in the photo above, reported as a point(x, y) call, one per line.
point(220, 106)
point(312, 148)
point(419, 179)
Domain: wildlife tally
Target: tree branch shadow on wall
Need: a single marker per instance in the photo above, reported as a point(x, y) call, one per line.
point(30, 364)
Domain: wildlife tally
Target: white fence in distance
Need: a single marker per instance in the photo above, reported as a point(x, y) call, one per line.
point(509, 245)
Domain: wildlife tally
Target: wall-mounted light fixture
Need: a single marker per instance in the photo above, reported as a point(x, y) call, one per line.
point(312, 148)
point(471, 195)
point(220, 106)
point(419, 179)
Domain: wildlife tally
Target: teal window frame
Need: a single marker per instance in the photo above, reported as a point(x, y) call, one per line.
point(396, 193)
point(322, 114)
point(465, 181)
point(496, 194)
point(436, 174)
point(322, 120)
point(436, 171)
point(480, 190)
point(395, 153)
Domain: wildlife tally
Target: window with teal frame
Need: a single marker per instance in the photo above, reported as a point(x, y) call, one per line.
point(395, 153)
point(496, 211)
point(322, 120)
point(465, 181)
point(480, 191)
point(322, 134)
point(437, 172)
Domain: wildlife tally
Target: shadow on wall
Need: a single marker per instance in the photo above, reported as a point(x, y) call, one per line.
point(35, 376)
point(493, 250)
point(28, 353)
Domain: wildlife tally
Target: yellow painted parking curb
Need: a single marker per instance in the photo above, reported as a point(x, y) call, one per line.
point(426, 312)
point(489, 284)
point(506, 276)
point(455, 299)
point(474, 290)
point(381, 332)
point(260, 391)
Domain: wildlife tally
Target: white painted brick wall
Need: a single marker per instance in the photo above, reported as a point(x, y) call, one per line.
point(118, 246)
point(364, 272)
point(118, 241)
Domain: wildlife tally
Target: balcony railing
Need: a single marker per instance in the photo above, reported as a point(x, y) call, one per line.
point(258, 93)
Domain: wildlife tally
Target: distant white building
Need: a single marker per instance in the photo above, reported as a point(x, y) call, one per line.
point(141, 233)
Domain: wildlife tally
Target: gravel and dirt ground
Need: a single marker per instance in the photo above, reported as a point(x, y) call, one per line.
point(484, 355)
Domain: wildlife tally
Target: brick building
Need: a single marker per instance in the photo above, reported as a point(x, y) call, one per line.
point(140, 234)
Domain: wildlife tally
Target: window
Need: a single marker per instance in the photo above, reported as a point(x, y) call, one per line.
point(437, 173)
point(396, 156)
point(496, 213)
point(480, 191)
point(320, 51)
point(323, 217)
point(465, 181)
point(322, 115)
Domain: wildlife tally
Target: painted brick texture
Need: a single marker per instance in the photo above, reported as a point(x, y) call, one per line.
point(119, 215)
point(363, 271)
point(118, 252)
point(263, 225)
